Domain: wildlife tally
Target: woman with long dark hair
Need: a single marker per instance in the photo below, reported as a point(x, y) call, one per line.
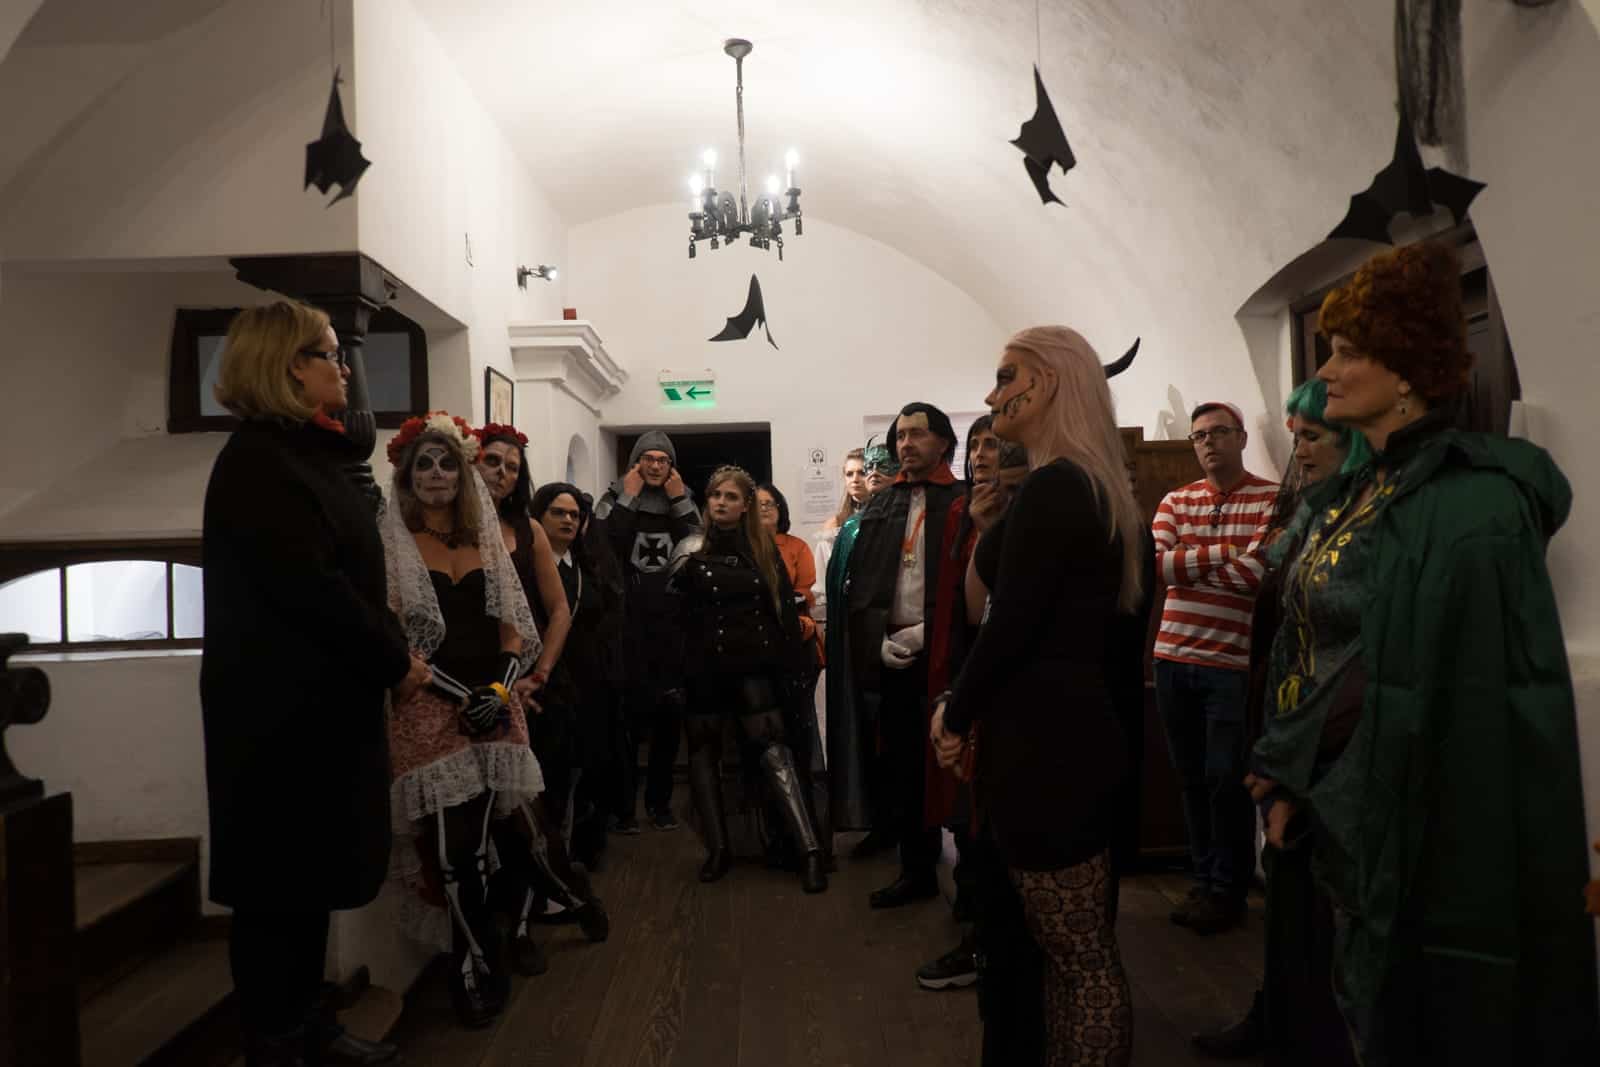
point(742, 638)
point(1059, 567)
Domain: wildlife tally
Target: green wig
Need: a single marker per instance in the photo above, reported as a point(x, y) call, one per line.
point(1310, 401)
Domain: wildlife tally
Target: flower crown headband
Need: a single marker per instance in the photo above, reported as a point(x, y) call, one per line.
point(440, 422)
point(492, 430)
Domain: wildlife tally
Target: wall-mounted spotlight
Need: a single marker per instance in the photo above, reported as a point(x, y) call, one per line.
point(543, 270)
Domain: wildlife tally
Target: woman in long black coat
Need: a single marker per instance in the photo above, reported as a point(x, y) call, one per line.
point(300, 647)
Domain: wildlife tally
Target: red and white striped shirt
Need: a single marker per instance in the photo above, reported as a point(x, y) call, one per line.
point(1208, 552)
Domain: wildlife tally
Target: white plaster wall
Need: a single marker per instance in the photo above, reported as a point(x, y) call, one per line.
point(90, 352)
point(861, 329)
point(551, 418)
point(123, 736)
point(200, 151)
point(1532, 79)
point(444, 177)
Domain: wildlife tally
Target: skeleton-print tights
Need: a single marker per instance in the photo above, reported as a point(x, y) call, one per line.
point(1088, 1009)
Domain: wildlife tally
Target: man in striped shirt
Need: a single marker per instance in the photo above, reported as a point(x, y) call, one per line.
point(1207, 553)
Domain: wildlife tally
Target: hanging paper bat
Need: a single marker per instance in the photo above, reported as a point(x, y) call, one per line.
point(1115, 368)
point(1044, 143)
point(1404, 186)
point(335, 158)
point(755, 311)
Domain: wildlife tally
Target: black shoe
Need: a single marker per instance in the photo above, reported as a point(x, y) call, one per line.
point(875, 842)
point(956, 969)
point(593, 920)
point(279, 1050)
point(1245, 1039)
point(475, 1006)
point(345, 1047)
point(1196, 896)
point(662, 819)
point(528, 957)
point(903, 890)
point(813, 873)
point(1216, 914)
point(716, 865)
point(625, 824)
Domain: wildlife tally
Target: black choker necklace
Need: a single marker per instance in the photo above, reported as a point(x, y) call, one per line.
point(446, 537)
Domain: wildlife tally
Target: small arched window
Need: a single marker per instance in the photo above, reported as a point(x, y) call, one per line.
point(82, 598)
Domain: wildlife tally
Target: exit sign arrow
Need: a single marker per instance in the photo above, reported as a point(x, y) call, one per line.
point(695, 392)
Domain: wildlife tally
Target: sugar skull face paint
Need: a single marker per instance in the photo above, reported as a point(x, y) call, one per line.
point(435, 475)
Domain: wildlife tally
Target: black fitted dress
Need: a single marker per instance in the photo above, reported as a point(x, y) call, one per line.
point(1050, 751)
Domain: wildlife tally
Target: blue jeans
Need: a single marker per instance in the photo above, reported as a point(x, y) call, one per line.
point(1203, 714)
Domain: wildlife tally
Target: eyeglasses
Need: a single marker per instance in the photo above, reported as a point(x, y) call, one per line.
point(563, 513)
point(767, 505)
point(1219, 433)
point(337, 356)
point(648, 460)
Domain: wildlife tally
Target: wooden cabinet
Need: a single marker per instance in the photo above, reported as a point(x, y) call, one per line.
point(1158, 467)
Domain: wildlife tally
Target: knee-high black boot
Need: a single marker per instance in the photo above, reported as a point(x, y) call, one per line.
point(777, 763)
point(705, 786)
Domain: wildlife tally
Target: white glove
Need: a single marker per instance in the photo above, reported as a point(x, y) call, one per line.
point(901, 647)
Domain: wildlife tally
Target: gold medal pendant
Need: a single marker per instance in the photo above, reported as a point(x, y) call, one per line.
point(908, 560)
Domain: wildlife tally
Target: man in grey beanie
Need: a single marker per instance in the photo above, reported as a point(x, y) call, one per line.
point(646, 513)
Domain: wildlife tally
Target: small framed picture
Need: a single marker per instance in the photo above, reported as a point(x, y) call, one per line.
point(499, 398)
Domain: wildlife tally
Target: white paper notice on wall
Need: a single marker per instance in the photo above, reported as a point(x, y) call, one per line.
point(819, 496)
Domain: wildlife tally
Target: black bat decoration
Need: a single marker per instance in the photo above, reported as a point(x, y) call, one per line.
point(335, 158)
point(1404, 186)
point(1044, 144)
point(1117, 367)
point(755, 311)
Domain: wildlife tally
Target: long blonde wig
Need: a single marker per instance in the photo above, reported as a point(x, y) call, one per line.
point(1081, 426)
point(763, 549)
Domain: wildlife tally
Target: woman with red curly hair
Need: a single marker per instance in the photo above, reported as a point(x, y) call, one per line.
point(1420, 710)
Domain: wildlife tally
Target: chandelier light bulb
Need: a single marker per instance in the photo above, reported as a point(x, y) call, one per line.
point(697, 185)
point(791, 158)
point(709, 158)
point(772, 184)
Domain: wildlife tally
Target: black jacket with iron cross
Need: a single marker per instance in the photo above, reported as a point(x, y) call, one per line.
point(643, 532)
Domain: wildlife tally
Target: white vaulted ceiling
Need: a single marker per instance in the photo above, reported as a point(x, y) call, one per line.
point(1215, 141)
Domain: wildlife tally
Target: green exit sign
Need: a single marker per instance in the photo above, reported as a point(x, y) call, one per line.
point(689, 393)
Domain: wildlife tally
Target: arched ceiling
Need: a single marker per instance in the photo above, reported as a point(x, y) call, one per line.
point(1214, 141)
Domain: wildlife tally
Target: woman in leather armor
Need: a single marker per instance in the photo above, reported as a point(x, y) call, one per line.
point(741, 636)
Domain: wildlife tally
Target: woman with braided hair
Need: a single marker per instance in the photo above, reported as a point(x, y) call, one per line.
point(741, 637)
point(459, 747)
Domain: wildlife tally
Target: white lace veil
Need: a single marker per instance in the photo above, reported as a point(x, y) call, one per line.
point(411, 595)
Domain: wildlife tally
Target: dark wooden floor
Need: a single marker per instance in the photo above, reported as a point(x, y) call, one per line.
point(750, 972)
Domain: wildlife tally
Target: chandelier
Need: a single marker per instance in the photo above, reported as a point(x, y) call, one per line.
point(715, 215)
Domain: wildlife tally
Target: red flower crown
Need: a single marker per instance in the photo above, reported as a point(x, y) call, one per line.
point(492, 430)
point(439, 422)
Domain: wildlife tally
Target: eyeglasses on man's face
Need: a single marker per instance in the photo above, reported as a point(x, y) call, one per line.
point(1216, 433)
point(654, 459)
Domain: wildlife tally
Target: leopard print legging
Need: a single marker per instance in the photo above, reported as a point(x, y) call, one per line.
point(1088, 1009)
